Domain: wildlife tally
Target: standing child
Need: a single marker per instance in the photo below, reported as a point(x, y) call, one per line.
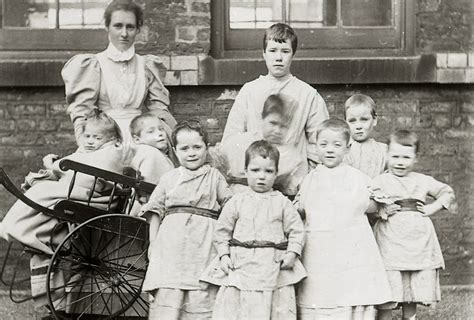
point(346, 276)
point(259, 237)
point(407, 238)
point(100, 140)
point(182, 213)
point(276, 116)
point(365, 154)
point(308, 107)
point(151, 148)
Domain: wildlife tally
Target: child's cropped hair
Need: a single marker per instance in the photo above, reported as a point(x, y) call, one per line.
point(136, 125)
point(337, 125)
point(280, 32)
point(264, 149)
point(97, 117)
point(361, 99)
point(405, 138)
point(275, 104)
point(190, 125)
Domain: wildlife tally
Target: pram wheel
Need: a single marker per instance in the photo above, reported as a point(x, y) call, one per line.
point(99, 268)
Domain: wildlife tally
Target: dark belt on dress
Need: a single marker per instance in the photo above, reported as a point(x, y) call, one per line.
point(409, 204)
point(234, 180)
point(258, 244)
point(193, 210)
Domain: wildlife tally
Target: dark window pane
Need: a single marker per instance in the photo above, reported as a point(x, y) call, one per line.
point(370, 13)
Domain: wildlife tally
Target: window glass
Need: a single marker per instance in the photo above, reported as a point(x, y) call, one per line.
point(366, 13)
point(52, 14)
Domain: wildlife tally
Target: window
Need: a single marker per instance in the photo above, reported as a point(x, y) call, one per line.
point(52, 24)
point(324, 27)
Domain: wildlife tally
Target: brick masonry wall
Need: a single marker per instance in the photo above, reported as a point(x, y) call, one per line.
point(33, 123)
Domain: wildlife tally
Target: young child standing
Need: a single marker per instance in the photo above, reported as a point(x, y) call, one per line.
point(308, 107)
point(407, 238)
point(182, 212)
point(259, 237)
point(365, 154)
point(276, 116)
point(151, 147)
point(346, 276)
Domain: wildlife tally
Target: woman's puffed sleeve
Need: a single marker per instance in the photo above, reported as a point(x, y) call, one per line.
point(157, 100)
point(81, 75)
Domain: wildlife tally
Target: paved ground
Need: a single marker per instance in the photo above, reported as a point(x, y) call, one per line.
point(457, 304)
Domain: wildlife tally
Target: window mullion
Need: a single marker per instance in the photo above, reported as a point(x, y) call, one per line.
point(283, 11)
point(57, 14)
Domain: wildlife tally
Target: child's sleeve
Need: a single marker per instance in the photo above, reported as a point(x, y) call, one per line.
point(317, 114)
point(156, 203)
point(237, 119)
point(223, 191)
point(443, 193)
point(225, 227)
point(293, 227)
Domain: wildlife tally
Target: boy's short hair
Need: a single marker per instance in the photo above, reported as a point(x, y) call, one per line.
point(280, 32)
point(406, 138)
point(100, 119)
point(275, 104)
point(136, 125)
point(263, 149)
point(190, 125)
point(337, 125)
point(361, 99)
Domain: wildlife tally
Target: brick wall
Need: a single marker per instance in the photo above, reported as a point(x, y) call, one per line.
point(33, 123)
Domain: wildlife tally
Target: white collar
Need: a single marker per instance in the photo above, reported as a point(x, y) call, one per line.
point(116, 55)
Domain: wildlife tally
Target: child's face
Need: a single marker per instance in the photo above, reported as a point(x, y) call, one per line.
point(274, 128)
point(190, 149)
point(401, 159)
point(261, 174)
point(361, 122)
point(332, 147)
point(278, 58)
point(94, 137)
point(153, 134)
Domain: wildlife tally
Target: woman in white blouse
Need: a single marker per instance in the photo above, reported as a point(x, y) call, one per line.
point(117, 81)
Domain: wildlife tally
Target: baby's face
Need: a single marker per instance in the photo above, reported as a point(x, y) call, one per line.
point(331, 147)
point(401, 159)
point(153, 134)
point(93, 138)
point(261, 174)
point(361, 122)
point(274, 128)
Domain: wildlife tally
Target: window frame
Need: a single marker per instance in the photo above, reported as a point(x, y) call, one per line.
point(347, 42)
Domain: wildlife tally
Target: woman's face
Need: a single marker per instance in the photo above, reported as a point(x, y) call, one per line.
point(122, 29)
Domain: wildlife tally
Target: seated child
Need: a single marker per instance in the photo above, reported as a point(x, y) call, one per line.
point(151, 146)
point(276, 116)
point(99, 147)
point(407, 239)
point(346, 275)
point(182, 212)
point(259, 236)
point(365, 154)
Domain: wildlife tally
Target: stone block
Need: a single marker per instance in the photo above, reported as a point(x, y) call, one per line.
point(441, 60)
point(451, 75)
point(48, 125)
point(424, 121)
point(172, 78)
point(442, 121)
point(428, 5)
point(26, 110)
point(203, 34)
point(186, 33)
point(57, 109)
point(184, 63)
point(438, 106)
point(7, 125)
point(470, 75)
point(25, 124)
point(457, 60)
point(189, 78)
point(470, 59)
point(397, 107)
point(166, 60)
point(467, 107)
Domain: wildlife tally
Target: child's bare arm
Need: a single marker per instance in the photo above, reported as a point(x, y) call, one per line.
point(155, 222)
point(288, 260)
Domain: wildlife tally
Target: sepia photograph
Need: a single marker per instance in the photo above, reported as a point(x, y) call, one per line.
point(237, 159)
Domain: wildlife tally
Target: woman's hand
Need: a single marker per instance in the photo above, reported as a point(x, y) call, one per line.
point(49, 159)
point(391, 209)
point(226, 263)
point(288, 260)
